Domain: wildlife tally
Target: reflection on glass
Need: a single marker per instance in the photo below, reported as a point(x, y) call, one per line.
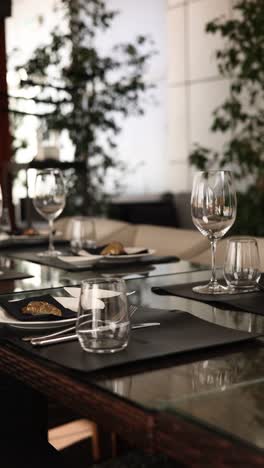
point(121, 387)
point(214, 375)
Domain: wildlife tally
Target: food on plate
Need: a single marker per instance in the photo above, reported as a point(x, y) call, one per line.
point(114, 248)
point(41, 308)
point(30, 232)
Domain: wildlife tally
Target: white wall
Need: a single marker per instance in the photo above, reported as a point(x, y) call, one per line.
point(194, 85)
point(142, 143)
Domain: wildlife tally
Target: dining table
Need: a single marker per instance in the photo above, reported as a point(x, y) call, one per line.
point(203, 407)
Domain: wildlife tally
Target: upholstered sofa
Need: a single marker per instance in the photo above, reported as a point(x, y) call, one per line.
point(186, 244)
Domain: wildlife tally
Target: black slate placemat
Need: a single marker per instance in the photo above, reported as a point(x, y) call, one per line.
point(178, 333)
point(32, 256)
point(252, 302)
point(28, 241)
point(8, 274)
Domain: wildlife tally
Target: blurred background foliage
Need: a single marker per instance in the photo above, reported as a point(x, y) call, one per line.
point(88, 94)
point(241, 116)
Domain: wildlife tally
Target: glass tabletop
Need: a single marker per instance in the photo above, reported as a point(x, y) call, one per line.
point(225, 394)
point(222, 392)
point(44, 277)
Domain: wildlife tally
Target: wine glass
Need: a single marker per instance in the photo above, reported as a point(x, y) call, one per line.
point(213, 206)
point(49, 201)
point(82, 233)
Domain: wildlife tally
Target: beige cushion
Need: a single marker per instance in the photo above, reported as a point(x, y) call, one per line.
point(125, 235)
point(104, 228)
point(185, 243)
point(204, 258)
point(108, 229)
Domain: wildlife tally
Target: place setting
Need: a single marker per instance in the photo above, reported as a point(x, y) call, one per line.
point(85, 253)
point(81, 252)
point(214, 206)
point(48, 311)
point(104, 256)
point(95, 327)
point(96, 258)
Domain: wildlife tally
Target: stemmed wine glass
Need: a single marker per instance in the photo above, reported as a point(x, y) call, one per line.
point(49, 201)
point(213, 206)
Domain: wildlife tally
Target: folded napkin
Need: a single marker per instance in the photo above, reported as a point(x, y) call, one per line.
point(127, 251)
point(72, 303)
point(86, 259)
point(100, 293)
point(14, 308)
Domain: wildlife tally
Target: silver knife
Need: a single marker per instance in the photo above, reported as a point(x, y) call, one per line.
point(63, 339)
point(50, 335)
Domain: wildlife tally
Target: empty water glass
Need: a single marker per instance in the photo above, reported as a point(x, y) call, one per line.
point(103, 323)
point(242, 264)
point(82, 233)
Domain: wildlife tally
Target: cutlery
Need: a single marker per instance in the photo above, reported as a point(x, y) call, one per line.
point(63, 339)
point(132, 310)
point(50, 335)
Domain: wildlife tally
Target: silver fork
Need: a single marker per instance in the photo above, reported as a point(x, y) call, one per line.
point(66, 338)
point(132, 310)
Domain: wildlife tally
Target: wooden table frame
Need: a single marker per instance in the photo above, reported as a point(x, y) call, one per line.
point(152, 431)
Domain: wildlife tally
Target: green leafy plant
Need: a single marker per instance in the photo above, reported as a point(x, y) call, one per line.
point(88, 94)
point(241, 117)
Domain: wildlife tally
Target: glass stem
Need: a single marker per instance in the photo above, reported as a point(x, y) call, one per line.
point(213, 242)
point(51, 246)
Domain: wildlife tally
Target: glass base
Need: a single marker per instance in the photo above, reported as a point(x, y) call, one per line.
point(104, 351)
point(92, 346)
point(211, 288)
point(50, 253)
point(237, 290)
